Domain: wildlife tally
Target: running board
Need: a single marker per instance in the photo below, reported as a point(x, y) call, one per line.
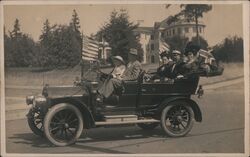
point(126, 122)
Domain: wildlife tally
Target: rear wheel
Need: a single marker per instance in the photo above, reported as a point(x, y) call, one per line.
point(35, 121)
point(147, 126)
point(177, 119)
point(63, 124)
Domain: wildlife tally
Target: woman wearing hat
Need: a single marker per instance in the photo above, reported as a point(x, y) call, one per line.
point(191, 62)
point(119, 67)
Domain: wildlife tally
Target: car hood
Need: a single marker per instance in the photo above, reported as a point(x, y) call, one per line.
point(64, 91)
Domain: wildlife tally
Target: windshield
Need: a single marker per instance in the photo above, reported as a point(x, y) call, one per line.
point(93, 71)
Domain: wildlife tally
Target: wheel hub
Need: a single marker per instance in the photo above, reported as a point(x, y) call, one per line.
point(66, 125)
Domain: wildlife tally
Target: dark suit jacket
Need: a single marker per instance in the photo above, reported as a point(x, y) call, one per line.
point(132, 72)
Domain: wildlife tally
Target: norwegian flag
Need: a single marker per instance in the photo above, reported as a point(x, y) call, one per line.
point(206, 56)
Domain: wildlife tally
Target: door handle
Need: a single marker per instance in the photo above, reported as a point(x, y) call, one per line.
point(143, 90)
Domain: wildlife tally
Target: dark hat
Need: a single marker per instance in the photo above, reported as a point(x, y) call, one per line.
point(133, 51)
point(164, 54)
point(191, 47)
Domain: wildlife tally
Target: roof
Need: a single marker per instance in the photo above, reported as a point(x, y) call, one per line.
point(163, 24)
point(144, 29)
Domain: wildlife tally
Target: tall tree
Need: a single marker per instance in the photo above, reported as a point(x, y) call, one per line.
point(194, 12)
point(119, 33)
point(75, 22)
point(75, 26)
point(8, 59)
point(45, 44)
point(16, 32)
point(19, 48)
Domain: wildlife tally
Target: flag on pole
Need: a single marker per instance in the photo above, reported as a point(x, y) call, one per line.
point(90, 49)
point(163, 46)
point(206, 56)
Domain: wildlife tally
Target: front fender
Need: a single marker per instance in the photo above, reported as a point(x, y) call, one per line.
point(89, 121)
point(192, 103)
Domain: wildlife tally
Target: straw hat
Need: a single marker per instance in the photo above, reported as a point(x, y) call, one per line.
point(119, 58)
point(176, 52)
point(133, 51)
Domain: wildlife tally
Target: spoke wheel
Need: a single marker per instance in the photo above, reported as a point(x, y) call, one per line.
point(177, 119)
point(35, 121)
point(63, 124)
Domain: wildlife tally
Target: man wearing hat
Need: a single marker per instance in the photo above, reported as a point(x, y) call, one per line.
point(131, 73)
point(176, 56)
point(133, 67)
point(178, 63)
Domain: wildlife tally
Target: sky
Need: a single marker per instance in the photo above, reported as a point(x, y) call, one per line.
point(222, 21)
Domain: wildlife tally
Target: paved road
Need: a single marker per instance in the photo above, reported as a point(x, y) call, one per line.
point(222, 130)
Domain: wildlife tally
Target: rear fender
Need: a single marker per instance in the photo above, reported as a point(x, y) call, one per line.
point(192, 103)
point(84, 109)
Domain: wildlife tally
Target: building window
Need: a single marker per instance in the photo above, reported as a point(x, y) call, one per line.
point(162, 34)
point(186, 29)
point(152, 46)
point(169, 33)
point(179, 30)
point(194, 29)
point(200, 29)
point(173, 31)
point(152, 37)
point(152, 59)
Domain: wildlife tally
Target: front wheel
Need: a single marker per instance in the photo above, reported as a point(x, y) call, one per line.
point(63, 124)
point(177, 119)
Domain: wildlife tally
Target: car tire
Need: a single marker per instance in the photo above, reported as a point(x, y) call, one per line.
point(177, 119)
point(35, 122)
point(147, 126)
point(59, 122)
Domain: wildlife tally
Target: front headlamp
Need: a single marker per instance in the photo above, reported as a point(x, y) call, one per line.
point(35, 100)
point(39, 100)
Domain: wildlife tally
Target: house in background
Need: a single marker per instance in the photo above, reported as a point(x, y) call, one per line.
point(150, 37)
point(144, 34)
point(182, 28)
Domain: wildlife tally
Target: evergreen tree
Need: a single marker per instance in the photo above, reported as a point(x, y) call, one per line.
point(119, 33)
point(20, 48)
point(231, 50)
point(75, 22)
point(44, 56)
point(8, 57)
point(77, 35)
point(203, 43)
point(16, 32)
point(177, 43)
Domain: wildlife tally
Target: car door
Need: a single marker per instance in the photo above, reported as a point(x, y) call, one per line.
point(128, 98)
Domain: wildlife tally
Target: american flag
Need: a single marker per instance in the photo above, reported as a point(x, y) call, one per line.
point(90, 49)
point(163, 46)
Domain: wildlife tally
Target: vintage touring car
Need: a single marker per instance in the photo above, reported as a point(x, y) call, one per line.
point(63, 113)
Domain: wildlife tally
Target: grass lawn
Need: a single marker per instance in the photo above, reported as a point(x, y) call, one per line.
point(25, 76)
